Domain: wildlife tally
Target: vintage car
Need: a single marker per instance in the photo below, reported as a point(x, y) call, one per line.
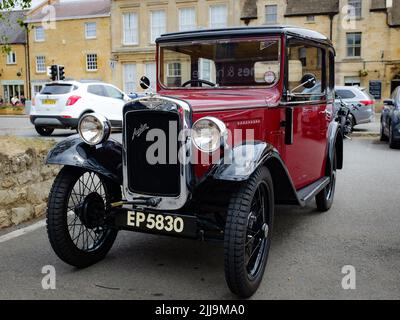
point(233, 130)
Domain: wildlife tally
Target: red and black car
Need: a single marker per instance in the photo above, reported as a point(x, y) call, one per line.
point(243, 120)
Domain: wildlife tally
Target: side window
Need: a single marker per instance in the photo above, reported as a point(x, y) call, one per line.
point(96, 90)
point(113, 93)
point(305, 59)
point(346, 94)
point(330, 59)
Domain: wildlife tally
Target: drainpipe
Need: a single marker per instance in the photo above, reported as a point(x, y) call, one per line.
point(331, 16)
point(28, 64)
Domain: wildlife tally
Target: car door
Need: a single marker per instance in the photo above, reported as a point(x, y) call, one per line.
point(387, 112)
point(97, 99)
point(305, 157)
point(115, 103)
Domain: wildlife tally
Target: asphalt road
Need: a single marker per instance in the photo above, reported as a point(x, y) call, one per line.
point(307, 255)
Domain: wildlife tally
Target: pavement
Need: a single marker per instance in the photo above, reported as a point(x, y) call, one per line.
point(308, 250)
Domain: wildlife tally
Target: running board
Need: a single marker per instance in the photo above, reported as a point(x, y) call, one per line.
point(306, 194)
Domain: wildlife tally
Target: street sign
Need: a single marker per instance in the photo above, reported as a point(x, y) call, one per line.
point(375, 89)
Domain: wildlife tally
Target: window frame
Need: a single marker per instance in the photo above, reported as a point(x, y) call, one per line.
point(324, 81)
point(357, 5)
point(353, 46)
point(136, 35)
point(269, 14)
point(125, 80)
point(14, 58)
point(87, 62)
point(37, 64)
point(86, 30)
point(36, 34)
point(191, 27)
point(213, 6)
point(152, 37)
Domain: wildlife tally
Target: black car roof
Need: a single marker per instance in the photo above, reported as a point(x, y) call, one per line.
point(245, 31)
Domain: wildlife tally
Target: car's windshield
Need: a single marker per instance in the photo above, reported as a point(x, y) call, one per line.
point(220, 63)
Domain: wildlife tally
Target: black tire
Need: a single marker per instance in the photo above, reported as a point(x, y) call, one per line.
point(324, 199)
point(44, 132)
point(244, 278)
point(383, 136)
point(67, 200)
point(353, 123)
point(393, 144)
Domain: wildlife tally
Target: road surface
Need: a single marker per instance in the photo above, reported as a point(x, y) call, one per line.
point(308, 251)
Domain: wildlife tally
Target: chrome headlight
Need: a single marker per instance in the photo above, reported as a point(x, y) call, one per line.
point(209, 134)
point(94, 128)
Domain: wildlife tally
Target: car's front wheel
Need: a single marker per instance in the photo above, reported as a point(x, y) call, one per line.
point(44, 132)
point(77, 215)
point(248, 233)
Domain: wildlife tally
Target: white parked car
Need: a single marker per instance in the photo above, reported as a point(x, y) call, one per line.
point(60, 105)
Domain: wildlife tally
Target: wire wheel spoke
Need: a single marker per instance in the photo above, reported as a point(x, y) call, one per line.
point(86, 210)
point(255, 245)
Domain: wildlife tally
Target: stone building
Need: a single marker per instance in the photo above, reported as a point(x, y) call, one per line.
point(365, 33)
point(135, 24)
point(13, 63)
point(74, 34)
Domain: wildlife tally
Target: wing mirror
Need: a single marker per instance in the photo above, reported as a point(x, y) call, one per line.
point(145, 83)
point(388, 102)
point(308, 81)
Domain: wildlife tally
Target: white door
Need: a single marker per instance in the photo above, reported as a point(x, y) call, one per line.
point(114, 103)
point(151, 74)
point(130, 85)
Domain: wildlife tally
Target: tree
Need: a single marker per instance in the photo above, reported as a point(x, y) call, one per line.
point(5, 7)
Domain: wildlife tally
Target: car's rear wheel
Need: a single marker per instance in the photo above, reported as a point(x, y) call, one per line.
point(77, 215)
point(393, 144)
point(324, 199)
point(248, 233)
point(43, 131)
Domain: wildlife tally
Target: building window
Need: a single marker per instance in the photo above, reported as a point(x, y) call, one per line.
point(130, 78)
point(354, 44)
point(303, 56)
point(11, 58)
point(355, 8)
point(91, 30)
point(13, 91)
point(91, 62)
point(352, 81)
point(218, 16)
point(151, 73)
point(187, 19)
point(158, 24)
point(40, 64)
point(131, 28)
point(39, 34)
point(310, 18)
point(271, 14)
point(205, 69)
point(174, 75)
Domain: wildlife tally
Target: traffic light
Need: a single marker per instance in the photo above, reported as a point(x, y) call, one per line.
point(61, 73)
point(54, 72)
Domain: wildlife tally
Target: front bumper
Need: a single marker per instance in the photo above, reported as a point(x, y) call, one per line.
point(54, 122)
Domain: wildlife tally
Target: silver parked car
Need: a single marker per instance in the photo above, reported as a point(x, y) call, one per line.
point(360, 102)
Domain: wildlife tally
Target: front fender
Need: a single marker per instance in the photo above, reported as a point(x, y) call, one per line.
point(105, 159)
point(247, 158)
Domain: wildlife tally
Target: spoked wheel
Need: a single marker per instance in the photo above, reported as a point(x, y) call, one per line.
point(324, 199)
point(78, 211)
point(248, 234)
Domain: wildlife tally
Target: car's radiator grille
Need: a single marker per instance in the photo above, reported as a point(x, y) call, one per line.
point(161, 179)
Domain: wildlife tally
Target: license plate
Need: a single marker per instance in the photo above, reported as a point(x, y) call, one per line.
point(49, 101)
point(170, 224)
